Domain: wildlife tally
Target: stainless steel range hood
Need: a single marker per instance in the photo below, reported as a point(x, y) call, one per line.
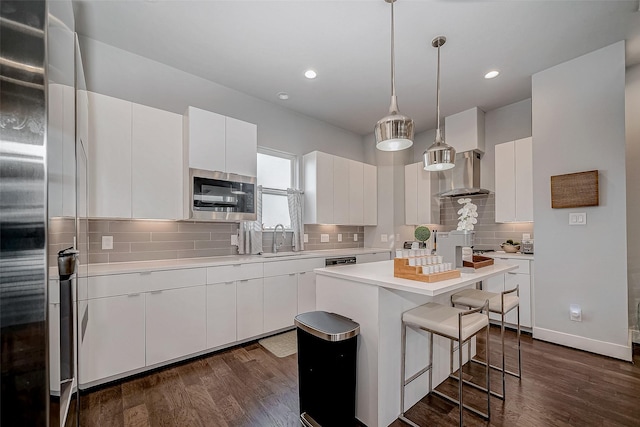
point(464, 178)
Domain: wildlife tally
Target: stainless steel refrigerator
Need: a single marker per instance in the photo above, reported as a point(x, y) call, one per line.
point(43, 174)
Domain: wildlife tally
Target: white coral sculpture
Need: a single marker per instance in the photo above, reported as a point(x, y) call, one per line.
point(468, 215)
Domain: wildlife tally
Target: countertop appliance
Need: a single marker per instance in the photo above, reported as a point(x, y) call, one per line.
point(221, 196)
point(450, 245)
point(527, 246)
point(332, 262)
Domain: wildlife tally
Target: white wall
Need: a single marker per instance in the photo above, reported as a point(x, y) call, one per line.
point(121, 74)
point(578, 125)
point(503, 124)
point(632, 92)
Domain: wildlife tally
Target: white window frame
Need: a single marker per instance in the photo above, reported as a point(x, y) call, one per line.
point(295, 176)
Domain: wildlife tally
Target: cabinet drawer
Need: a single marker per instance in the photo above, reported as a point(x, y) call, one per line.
point(173, 279)
point(114, 285)
point(279, 268)
point(523, 264)
point(227, 273)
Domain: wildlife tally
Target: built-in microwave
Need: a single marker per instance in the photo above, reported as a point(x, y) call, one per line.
point(220, 196)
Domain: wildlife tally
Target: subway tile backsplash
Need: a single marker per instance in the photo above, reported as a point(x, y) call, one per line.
point(140, 240)
point(489, 234)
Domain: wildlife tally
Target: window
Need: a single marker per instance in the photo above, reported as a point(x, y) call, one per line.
point(276, 173)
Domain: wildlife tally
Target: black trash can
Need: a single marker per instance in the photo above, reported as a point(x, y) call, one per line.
point(327, 347)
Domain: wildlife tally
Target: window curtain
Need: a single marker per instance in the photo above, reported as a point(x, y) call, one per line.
point(296, 209)
point(250, 239)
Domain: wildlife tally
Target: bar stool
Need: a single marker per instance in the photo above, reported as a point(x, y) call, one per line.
point(499, 303)
point(454, 324)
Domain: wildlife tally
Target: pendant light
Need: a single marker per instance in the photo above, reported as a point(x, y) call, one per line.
point(395, 131)
point(439, 156)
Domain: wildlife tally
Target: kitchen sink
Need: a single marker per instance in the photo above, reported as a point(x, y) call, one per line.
point(281, 254)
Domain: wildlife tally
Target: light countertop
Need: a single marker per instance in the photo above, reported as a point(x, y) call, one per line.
point(503, 254)
point(176, 264)
point(381, 274)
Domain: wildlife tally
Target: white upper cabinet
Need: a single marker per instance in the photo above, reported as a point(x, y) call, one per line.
point(514, 181)
point(339, 191)
point(356, 192)
point(135, 160)
point(156, 156)
point(422, 206)
point(370, 195)
point(318, 188)
point(219, 143)
point(241, 150)
point(109, 157)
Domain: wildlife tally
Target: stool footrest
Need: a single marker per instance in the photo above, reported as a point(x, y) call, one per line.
point(478, 387)
point(407, 421)
point(457, 402)
point(498, 368)
point(416, 375)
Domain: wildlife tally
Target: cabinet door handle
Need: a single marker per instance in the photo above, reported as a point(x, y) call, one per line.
point(511, 272)
point(244, 280)
point(133, 295)
point(292, 274)
point(228, 283)
point(303, 272)
point(155, 292)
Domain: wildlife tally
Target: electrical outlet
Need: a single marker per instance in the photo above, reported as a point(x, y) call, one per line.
point(107, 242)
point(339, 237)
point(324, 238)
point(526, 236)
point(306, 238)
point(355, 237)
point(575, 313)
point(384, 238)
point(578, 218)
point(234, 240)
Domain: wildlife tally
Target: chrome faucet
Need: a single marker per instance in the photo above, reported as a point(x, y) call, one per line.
point(275, 238)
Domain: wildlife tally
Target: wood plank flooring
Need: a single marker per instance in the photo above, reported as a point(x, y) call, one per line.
point(248, 386)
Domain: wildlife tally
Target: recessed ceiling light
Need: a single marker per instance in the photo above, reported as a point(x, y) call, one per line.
point(310, 74)
point(283, 95)
point(491, 74)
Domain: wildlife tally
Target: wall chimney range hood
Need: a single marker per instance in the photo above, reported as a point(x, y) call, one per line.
point(464, 178)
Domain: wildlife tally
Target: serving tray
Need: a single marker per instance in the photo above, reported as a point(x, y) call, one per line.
point(403, 270)
point(478, 262)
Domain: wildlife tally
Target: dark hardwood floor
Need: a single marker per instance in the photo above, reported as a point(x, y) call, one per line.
point(248, 386)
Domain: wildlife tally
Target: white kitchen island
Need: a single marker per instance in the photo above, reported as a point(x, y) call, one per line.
point(371, 296)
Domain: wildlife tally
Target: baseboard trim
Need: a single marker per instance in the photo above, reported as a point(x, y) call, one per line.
point(587, 344)
point(636, 336)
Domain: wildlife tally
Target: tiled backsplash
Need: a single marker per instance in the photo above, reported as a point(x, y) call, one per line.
point(489, 234)
point(140, 240)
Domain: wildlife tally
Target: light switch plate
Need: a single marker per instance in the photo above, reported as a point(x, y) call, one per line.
point(107, 242)
point(324, 238)
point(355, 237)
point(339, 237)
point(578, 218)
point(384, 238)
point(306, 238)
point(234, 240)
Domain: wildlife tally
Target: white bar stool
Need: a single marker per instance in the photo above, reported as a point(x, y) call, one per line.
point(449, 322)
point(500, 303)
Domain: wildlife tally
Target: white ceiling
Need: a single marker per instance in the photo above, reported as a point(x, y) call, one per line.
point(263, 47)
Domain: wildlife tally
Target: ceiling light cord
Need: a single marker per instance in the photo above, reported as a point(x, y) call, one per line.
point(438, 135)
point(393, 108)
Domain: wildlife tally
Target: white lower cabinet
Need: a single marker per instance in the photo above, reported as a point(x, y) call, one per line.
point(221, 314)
point(114, 338)
point(520, 277)
point(280, 301)
point(306, 291)
point(175, 323)
point(250, 309)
